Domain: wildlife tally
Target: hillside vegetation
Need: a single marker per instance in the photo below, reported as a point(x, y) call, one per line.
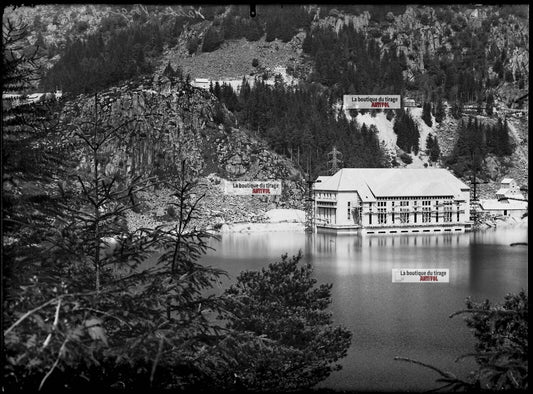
point(448, 58)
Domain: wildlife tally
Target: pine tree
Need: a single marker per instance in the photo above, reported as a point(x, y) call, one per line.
point(440, 112)
point(489, 106)
point(432, 148)
point(503, 142)
point(457, 110)
point(244, 93)
point(303, 336)
point(217, 90)
point(426, 114)
point(34, 150)
point(212, 40)
point(407, 131)
point(169, 71)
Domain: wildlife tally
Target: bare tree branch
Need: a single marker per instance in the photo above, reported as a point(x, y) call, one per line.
point(55, 363)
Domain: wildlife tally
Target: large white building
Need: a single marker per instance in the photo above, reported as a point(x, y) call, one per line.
point(391, 201)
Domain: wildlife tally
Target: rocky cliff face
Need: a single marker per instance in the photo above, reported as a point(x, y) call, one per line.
point(422, 31)
point(166, 121)
point(337, 20)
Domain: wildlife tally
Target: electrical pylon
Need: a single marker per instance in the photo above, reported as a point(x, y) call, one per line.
point(334, 160)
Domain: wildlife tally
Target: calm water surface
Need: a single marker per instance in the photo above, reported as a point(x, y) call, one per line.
point(393, 319)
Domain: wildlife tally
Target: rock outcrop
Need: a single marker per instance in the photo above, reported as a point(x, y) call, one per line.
point(160, 122)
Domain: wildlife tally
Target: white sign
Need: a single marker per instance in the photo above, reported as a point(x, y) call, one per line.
point(420, 275)
point(367, 101)
point(249, 188)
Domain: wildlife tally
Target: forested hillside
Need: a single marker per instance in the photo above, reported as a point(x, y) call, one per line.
point(448, 58)
point(300, 123)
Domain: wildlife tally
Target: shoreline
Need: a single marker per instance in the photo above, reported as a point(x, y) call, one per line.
point(292, 220)
point(249, 227)
point(246, 227)
point(502, 223)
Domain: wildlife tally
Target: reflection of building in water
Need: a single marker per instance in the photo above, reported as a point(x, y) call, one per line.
point(508, 201)
point(349, 255)
point(447, 239)
point(391, 201)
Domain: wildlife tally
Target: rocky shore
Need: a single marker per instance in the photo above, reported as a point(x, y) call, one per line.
point(501, 222)
point(219, 212)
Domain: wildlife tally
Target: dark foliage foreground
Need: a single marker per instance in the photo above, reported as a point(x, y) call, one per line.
point(501, 348)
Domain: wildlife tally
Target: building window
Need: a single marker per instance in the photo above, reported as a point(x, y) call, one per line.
point(382, 216)
point(382, 203)
point(357, 215)
point(404, 217)
point(404, 203)
point(414, 217)
point(426, 215)
point(370, 218)
point(349, 213)
point(426, 202)
point(447, 217)
point(329, 215)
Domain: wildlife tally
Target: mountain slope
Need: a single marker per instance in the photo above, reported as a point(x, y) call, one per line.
point(177, 122)
point(459, 52)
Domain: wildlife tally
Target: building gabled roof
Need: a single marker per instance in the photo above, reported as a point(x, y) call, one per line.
point(509, 193)
point(506, 181)
point(502, 191)
point(371, 183)
point(344, 180)
point(322, 178)
point(496, 205)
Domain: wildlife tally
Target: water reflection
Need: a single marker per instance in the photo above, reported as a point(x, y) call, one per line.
point(495, 264)
point(390, 319)
point(356, 255)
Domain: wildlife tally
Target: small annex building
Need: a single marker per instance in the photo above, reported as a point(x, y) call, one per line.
point(509, 201)
point(391, 201)
point(203, 83)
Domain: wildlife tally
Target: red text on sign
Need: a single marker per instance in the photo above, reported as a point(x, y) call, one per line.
point(428, 278)
point(260, 191)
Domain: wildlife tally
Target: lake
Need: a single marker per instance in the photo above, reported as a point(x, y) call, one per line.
point(393, 319)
